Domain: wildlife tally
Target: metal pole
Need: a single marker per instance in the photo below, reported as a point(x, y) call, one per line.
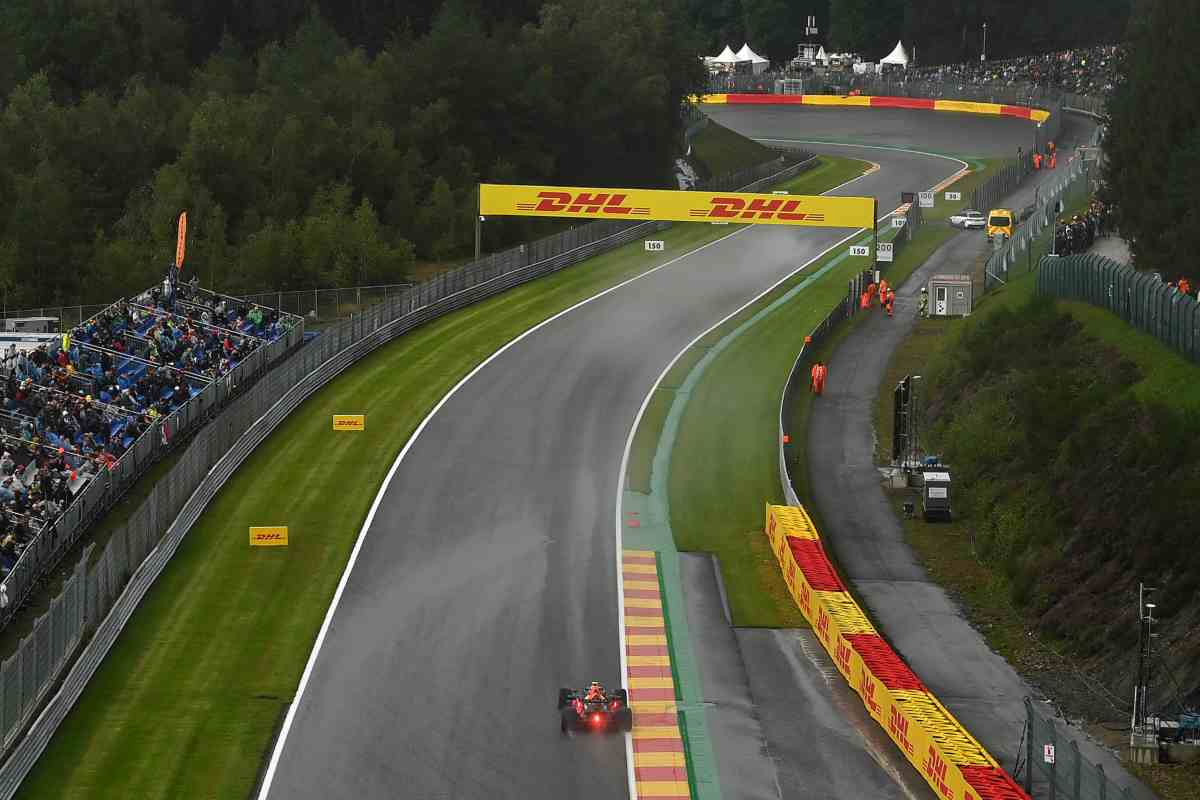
point(1137, 687)
point(1149, 657)
point(1028, 747)
point(478, 222)
point(1053, 763)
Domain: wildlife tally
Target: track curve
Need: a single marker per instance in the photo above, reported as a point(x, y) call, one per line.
point(486, 577)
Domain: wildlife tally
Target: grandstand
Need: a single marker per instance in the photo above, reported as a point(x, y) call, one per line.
point(83, 416)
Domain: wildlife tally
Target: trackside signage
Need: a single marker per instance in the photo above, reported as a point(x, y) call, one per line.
point(269, 536)
point(676, 206)
point(349, 422)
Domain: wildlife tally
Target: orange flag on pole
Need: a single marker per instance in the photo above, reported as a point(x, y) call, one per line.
point(181, 245)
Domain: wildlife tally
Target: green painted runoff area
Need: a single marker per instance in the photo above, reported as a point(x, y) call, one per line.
point(725, 429)
point(186, 702)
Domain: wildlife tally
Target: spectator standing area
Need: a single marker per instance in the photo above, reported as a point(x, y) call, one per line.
point(74, 409)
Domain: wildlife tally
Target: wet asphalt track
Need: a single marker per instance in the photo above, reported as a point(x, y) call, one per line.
point(487, 579)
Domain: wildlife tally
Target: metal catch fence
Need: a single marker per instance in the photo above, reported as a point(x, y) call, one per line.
point(115, 583)
point(1019, 255)
point(324, 305)
point(1139, 298)
point(1055, 769)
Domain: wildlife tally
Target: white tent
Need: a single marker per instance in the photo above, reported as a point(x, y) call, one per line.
point(821, 57)
point(727, 57)
point(746, 54)
point(898, 56)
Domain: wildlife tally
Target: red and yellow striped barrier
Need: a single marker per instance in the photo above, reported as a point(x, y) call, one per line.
point(946, 755)
point(660, 766)
point(874, 101)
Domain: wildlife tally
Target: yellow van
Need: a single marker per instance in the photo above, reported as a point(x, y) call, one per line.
point(1001, 221)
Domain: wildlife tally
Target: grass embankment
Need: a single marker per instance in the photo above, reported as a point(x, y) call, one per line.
point(716, 150)
point(186, 702)
point(728, 434)
point(1070, 434)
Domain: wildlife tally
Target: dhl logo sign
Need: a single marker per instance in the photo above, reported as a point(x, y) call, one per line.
point(269, 536)
point(349, 422)
point(676, 206)
point(805, 599)
point(936, 770)
point(823, 627)
point(582, 203)
point(898, 728)
point(866, 689)
point(757, 210)
point(842, 656)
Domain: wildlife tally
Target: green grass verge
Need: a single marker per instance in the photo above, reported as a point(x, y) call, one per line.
point(186, 702)
point(727, 437)
point(716, 150)
point(725, 453)
point(176, 710)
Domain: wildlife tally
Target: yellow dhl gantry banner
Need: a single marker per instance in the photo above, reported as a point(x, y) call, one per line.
point(952, 762)
point(676, 206)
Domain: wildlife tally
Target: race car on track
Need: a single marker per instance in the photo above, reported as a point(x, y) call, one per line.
point(968, 218)
point(594, 709)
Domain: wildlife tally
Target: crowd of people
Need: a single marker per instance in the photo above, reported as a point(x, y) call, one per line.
point(173, 341)
point(1089, 71)
point(1077, 234)
point(70, 410)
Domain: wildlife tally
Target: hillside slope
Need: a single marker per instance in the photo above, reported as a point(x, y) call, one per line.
point(1075, 444)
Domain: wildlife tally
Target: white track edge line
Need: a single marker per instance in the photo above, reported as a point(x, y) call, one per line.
point(637, 420)
point(281, 741)
point(337, 596)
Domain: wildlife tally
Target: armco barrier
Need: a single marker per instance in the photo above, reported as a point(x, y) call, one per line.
point(113, 587)
point(955, 765)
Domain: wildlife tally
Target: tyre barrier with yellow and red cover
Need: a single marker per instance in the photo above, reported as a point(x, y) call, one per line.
point(955, 765)
point(875, 101)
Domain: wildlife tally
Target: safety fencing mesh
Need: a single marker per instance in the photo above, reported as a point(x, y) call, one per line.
point(1139, 298)
point(1053, 766)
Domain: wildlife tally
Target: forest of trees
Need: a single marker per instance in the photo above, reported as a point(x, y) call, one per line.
point(312, 145)
point(1152, 149)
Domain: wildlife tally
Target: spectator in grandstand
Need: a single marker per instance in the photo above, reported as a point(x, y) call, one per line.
point(1089, 71)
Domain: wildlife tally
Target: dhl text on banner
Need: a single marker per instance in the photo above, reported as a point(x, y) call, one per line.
point(269, 536)
point(349, 422)
point(676, 206)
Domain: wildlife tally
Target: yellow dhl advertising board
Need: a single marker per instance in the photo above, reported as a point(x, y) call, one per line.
point(349, 422)
point(269, 536)
point(676, 206)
